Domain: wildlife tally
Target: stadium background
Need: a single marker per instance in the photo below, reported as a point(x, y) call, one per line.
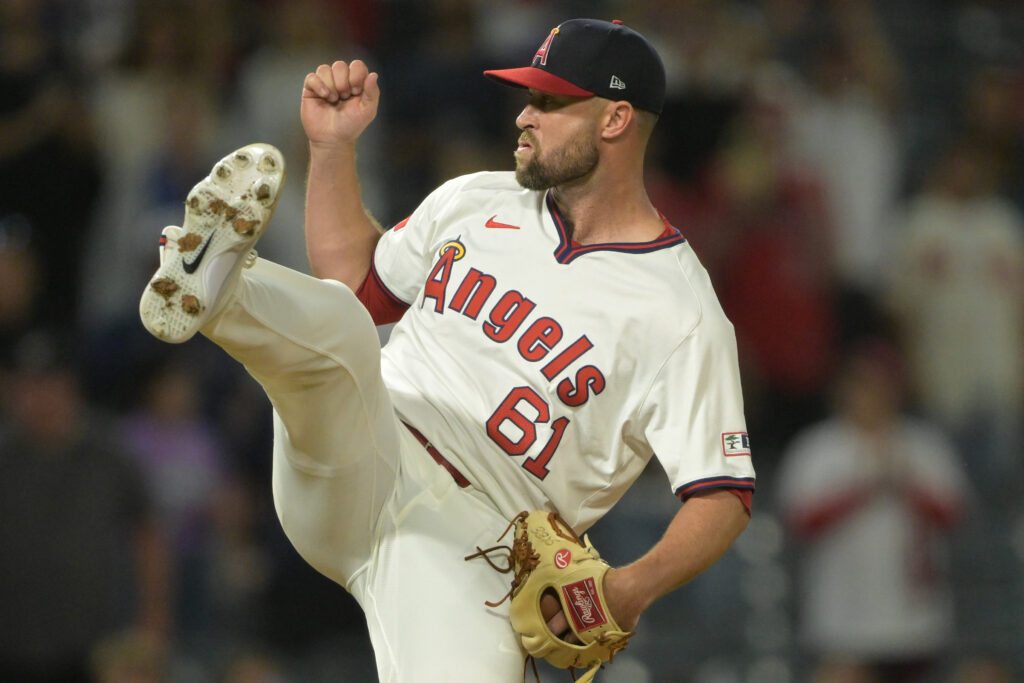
point(796, 134)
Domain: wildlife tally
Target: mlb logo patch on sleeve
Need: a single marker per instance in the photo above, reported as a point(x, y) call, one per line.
point(735, 443)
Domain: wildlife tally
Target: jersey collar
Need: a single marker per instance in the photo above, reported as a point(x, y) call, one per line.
point(568, 250)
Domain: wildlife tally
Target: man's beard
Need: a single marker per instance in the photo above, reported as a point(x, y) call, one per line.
point(573, 161)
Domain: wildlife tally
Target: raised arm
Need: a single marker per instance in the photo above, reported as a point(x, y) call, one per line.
point(338, 102)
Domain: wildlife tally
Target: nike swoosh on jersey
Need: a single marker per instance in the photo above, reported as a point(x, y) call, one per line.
point(191, 267)
point(491, 223)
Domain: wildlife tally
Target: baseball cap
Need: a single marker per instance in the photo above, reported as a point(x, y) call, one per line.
point(585, 57)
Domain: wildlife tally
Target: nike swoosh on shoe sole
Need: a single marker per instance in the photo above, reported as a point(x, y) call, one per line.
point(190, 266)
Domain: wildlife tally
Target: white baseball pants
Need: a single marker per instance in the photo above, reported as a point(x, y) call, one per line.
point(357, 495)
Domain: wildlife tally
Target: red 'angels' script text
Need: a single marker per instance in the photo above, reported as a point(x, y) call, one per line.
point(506, 318)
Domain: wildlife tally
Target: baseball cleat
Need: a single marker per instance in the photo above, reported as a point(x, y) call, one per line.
point(225, 213)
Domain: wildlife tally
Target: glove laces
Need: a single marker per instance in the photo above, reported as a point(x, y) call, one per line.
point(521, 557)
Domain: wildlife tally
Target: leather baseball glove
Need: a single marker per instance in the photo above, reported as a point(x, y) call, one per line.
point(547, 555)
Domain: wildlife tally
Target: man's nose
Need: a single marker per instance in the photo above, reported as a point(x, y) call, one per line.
point(527, 117)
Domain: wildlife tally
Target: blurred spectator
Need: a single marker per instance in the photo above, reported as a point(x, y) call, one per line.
point(239, 566)
point(180, 456)
point(709, 47)
point(845, 126)
point(957, 292)
point(158, 117)
point(511, 27)
point(712, 51)
point(770, 252)
point(435, 94)
point(81, 556)
point(49, 171)
point(871, 495)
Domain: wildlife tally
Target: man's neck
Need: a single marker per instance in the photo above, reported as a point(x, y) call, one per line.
point(623, 214)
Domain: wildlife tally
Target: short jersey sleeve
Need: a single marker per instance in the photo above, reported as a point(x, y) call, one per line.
point(693, 415)
point(404, 253)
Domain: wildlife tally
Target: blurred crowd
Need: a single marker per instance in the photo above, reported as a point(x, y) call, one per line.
point(850, 172)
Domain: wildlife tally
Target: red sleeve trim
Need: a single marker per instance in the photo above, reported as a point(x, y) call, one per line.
point(383, 305)
point(741, 487)
point(746, 497)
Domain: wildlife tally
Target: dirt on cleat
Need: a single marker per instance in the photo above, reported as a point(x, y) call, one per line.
point(165, 287)
point(243, 226)
point(190, 241)
point(190, 304)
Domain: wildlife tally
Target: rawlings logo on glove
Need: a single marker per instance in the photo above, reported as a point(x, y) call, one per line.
point(547, 555)
point(584, 604)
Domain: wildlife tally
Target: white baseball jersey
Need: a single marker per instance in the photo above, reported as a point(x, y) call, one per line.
point(548, 373)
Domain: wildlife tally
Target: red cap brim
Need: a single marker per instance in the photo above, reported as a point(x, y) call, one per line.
point(538, 79)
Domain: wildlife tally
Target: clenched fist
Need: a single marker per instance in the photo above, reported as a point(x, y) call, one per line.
point(338, 102)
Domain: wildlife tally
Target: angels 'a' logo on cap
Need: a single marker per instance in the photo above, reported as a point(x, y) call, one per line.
point(542, 51)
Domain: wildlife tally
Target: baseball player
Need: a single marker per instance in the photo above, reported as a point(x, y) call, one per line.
point(554, 332)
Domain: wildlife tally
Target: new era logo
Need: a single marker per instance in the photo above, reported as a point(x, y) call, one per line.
point(617, 83)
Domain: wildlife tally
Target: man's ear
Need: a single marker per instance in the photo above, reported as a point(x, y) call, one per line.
point(617, 118)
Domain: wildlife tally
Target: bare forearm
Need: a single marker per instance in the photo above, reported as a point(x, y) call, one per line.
point(340, 233)
point(700, 533)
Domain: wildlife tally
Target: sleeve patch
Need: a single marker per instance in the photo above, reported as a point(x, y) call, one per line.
point(735, 443)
